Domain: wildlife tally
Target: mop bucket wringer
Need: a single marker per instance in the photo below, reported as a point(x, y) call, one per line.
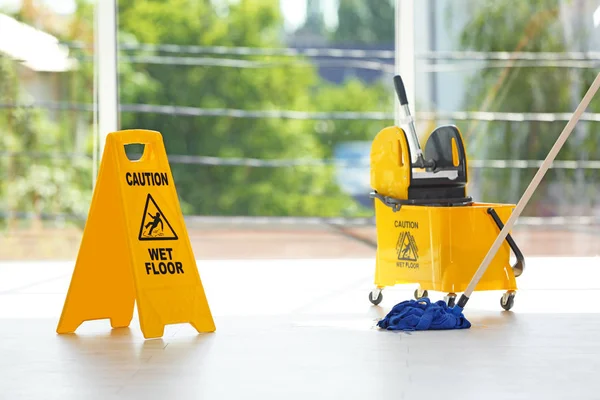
point(429, 232)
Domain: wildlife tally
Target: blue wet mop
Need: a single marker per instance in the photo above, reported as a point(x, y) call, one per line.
point(422, 315)
point(418, 315)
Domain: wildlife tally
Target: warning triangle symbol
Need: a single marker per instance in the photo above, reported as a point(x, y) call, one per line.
point(407, 247)
point(155, 225)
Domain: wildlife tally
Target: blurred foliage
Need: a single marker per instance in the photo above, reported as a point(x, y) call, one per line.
point(533, 26)
point(218, 190)
point(62, 185)
point(33, 181)
point(365, 22)
point(353, 95)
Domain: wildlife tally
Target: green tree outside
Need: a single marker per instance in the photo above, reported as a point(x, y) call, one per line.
point(308, 190)
point(219, 190)
point(365, 22)
point(33, 181)
point(533, 26)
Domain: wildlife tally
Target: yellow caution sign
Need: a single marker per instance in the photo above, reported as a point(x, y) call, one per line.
point(135, 247)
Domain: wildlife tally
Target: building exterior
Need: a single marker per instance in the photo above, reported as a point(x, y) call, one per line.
point(42, 61)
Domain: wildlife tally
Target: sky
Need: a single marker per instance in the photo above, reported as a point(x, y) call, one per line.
point(59, 6)
point(294, 11)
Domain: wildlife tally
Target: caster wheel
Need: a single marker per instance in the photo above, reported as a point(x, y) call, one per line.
point(377, 300)
point(507, 301)
point(450, 299)
point(419, 294)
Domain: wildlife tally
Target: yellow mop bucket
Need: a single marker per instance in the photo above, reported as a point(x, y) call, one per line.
point(429, 231)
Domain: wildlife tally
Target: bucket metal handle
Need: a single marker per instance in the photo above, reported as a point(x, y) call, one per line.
point(394, 204)
point(519, 266)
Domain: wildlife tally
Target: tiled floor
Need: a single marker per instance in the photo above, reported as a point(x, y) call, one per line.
point(304, 329)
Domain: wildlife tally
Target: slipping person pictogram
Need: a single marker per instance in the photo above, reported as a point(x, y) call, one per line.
point(406, 247)
point(406, 251)
point(155, 226)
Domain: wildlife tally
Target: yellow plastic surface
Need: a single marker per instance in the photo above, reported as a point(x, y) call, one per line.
point(440, 248)
point(391, 176)
point(135, 247)
point(455, 160)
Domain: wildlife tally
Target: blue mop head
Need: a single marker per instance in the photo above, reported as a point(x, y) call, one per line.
point(421, 315)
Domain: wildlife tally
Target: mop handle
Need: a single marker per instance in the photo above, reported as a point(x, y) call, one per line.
point(530, 189)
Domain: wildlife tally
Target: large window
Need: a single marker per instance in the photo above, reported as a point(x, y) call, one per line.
point(268, 110)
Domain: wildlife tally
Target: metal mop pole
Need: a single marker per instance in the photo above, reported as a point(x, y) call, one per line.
point(529, 191)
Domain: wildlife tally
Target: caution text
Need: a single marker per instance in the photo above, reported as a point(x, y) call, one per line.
point(147, 179)
point(164, 262)
point(406, 224)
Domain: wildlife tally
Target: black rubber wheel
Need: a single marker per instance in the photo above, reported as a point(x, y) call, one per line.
point(416, 294)
point(510, 302)
point(377, 300)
